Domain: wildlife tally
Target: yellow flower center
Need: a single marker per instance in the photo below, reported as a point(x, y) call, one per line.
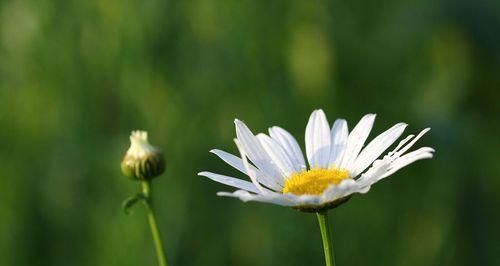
point(314, 181)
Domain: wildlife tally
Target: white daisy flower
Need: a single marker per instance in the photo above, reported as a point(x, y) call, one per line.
point(338, 164)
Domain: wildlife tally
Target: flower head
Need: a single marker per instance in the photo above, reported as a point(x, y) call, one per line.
point(338, 164)
point(142, 160)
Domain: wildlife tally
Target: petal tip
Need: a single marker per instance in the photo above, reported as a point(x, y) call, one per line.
point(238, 122)
point(402, 126)
point(261, 135)
point(369, 117)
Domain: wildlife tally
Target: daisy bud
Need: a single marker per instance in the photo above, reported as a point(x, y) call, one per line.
point(142, 160)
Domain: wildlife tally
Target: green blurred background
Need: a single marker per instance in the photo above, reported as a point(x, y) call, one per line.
point(77, 77)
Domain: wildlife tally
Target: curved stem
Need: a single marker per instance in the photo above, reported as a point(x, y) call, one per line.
point(148, 203)
point(326, 235)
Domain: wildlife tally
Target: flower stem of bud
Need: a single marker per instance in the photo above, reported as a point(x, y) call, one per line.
point(148, 203)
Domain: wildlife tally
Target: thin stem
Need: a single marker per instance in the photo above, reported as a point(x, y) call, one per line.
point(148, 202)
point(326, 235)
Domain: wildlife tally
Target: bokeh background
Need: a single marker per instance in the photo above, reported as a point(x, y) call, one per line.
point(77, 76)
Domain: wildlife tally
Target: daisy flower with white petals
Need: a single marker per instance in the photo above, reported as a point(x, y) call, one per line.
point(338, 164)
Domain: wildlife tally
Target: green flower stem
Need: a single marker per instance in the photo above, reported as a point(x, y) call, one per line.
point(148, 202)
point(326, 235)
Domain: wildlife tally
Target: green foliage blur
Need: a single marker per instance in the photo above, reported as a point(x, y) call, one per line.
point(77, 76)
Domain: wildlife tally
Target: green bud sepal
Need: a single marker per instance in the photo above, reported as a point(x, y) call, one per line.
point(142, 160)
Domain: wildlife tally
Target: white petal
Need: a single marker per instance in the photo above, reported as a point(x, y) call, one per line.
point(408, 146)
point(237, 163)
point(254, 150)
point(334, 192)
point(231, 181)
point(344, 189)
point(400, 144)
point(339, 136)
point(305, 200)
point(374, 173)
point(295, 200)
point(318, 140)
point(364, 190)
point(422, 153)
point(356, 140)
point(290, 145)
point(376, 147)
point(250, 172)
point(245, 196)
point(277, 154)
